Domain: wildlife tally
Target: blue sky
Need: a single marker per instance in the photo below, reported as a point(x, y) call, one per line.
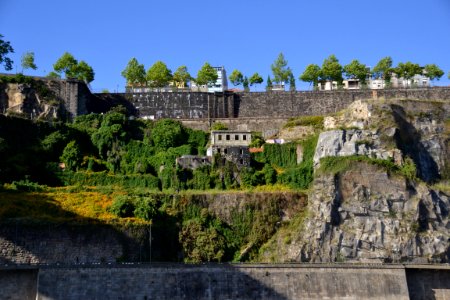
point(246, 35)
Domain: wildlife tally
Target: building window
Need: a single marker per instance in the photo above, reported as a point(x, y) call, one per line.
point(244, 137)
point(225, 151)
point(241, 161)
point(220, 137)
point(236, 137)
point(228, 137)
point(242, 151)
point(218, 150)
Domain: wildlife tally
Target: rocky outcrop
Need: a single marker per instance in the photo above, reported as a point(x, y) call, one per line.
point(353, 142)
point(391, 130)
point(366, 215)
point(24, 99)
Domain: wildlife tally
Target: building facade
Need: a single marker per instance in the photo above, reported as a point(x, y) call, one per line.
point(231, 145)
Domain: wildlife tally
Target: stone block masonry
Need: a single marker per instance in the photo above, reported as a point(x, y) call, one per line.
point(262, 105)
point(225, 281)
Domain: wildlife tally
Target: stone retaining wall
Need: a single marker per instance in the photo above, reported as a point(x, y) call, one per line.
point(225, 281)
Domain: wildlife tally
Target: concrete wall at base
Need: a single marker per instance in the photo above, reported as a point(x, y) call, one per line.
point(18, 284)
point(428, 283)
point(25, 244)
point(222, 282)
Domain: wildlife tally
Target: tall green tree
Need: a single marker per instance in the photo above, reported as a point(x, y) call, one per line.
point(433, 72)
point(85, 72)
point(407, 70)
point(182, 76)
point(66, 64)
point(245, 84)
point(357, 70)
point(292, 83)
point(27, 61)
point(268, 84)
point(5, 49)
point(255, 79)
point(383, 69)
point(311, 74)
point(236, 77)
point(159, 75)
point(134, 73)
point(206, 75)
point(280, 69)
point(332, 70)
point(71, 155)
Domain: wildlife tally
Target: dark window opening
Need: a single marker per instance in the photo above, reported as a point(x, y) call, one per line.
point(244, 137)
point(225, 151)
point(228, 137)
point(220, 137)
point(236, 137)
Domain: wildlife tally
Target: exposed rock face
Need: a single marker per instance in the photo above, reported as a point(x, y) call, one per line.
point(23, 99)
point(391, 131)
point(366, 215)
point(353, 142)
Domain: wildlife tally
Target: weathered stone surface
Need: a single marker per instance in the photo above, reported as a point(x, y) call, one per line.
point(366, 215)
point(222, 282)
point(351, 142)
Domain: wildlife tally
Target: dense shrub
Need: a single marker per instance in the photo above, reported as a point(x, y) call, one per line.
point(122, 206)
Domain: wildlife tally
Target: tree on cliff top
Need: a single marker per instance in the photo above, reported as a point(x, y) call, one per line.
point(407, 70)
point(5, 49)
point(182, 76)
point(159, 75)
point(245, 84)
point(311, 74)
point(27, 61)
point(236, 77)
point(268, 84)
point(206, 75)
point(332, 70)
point(255, 79)
point(357, 70)
point(66, 64)
point(292, 82)
point(134, 73)
point(433, 72)
point(383, 69)
point(72, 69)
point(280, 69)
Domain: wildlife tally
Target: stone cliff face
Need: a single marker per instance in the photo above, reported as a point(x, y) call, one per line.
point(24, 99)
point(366, 213)
point(391, 130)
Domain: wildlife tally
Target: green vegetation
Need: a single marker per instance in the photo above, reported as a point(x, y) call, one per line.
point(314, 121)
point(280, 70)
point(5, 49)
point(27, 61)
point(134, 73)
point(338, 164)
point(236, 77)
point(159, 75)
point(206, 75)
point(68, 65)
point(311, 74)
